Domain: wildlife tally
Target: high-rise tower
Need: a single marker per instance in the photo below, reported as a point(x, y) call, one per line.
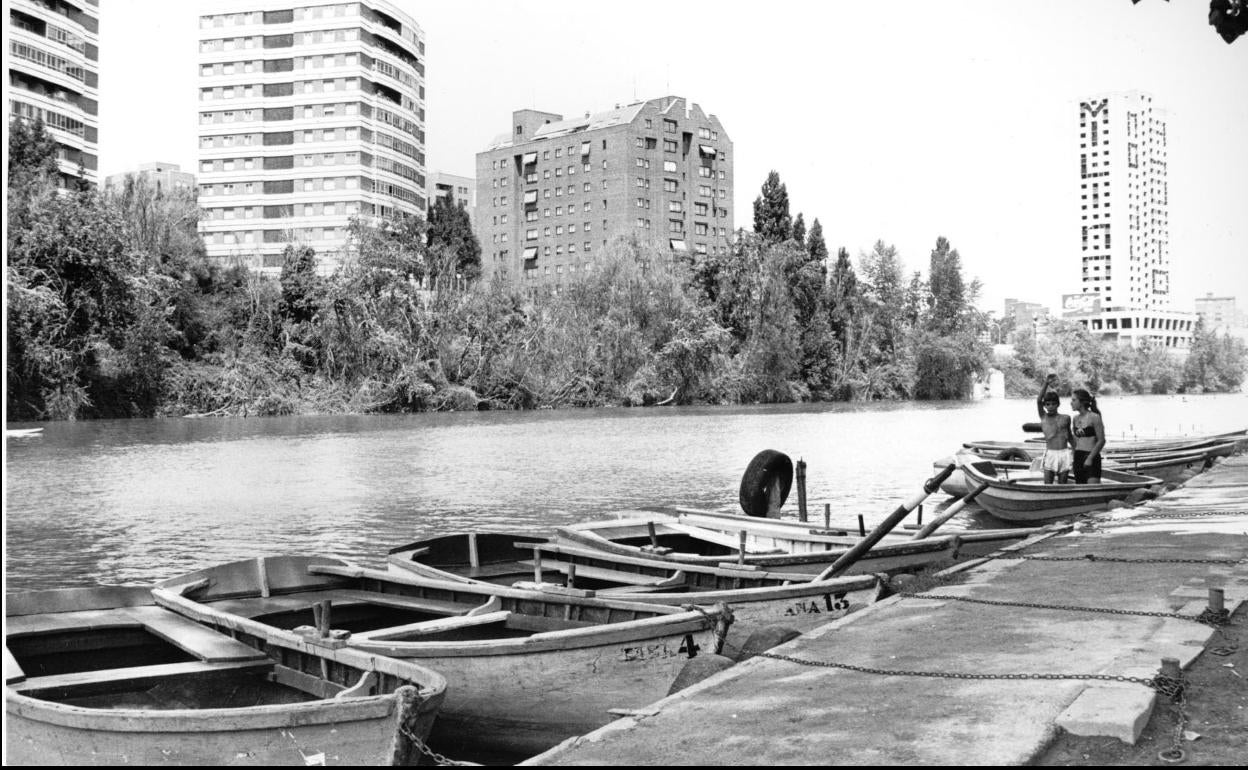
point(53, 63)
point(1124, 221)
point(308, 115)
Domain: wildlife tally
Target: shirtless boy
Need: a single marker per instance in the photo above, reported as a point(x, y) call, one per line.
point(1058, 459)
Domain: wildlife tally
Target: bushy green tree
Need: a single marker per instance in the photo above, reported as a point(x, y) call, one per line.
point(772, 221)
point(451, 230)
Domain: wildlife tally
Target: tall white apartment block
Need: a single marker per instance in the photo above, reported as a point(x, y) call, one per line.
point(309, 115)
point(1124, 201)
point(53, 63)
point(1124, 221)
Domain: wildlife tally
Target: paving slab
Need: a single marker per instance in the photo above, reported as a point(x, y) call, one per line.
point(1001, 678)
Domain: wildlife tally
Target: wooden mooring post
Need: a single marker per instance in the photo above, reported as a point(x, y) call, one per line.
point(801, 490)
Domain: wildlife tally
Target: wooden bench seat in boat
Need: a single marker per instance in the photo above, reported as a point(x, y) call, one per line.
point(13, 672)
point(204, 643)
point(83, 683)
point(602, 573)
point(427, 627)
point(255, 606)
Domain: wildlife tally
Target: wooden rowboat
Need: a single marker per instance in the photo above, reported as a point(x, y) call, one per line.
point(104, 676)
point(1032, 500)
point(757, 597)
point(1171, 466)
point(694, 536)
point(527, 669)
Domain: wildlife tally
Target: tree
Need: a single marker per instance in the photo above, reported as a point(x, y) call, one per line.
point(32, 152)
point(451, 229)
point(799, 230)
point(815, 245)
point(948, 292)
point(1214, 364)
point(301, 286)
point(771, 211)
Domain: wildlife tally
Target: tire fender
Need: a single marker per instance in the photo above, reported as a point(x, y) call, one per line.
point(769, 469)
point(1013, 453)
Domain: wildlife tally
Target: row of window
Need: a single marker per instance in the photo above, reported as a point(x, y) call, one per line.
point(278, 186)
point(49, 118)
point(329, 208)
point(49, 31)
point(45, 59)
point(297, 14)
point(236, 237)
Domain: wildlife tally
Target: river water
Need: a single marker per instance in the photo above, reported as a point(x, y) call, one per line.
point(135, 501)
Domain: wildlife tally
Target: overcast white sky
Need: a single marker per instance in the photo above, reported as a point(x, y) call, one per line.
point(900, 120)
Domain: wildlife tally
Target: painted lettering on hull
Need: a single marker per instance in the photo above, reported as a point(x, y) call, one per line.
point(832, 603)
point(688, 648)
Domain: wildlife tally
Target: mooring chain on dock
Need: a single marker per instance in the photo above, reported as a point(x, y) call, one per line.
point(1160, 684)
point(1189, 514)
point(1206, 617)
point(1123, 559)
point(438, 759)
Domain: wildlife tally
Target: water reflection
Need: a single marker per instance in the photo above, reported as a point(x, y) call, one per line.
point(141, 500)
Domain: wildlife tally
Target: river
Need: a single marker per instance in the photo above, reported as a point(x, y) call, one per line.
point(133, 501)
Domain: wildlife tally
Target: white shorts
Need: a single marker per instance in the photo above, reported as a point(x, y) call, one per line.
point(1057, 460)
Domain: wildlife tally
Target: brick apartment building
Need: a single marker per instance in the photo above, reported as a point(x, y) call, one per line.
point(551, 193)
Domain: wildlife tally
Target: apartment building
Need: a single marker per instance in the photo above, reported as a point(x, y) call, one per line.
point(53, 63)
point(462, 190)
point(161, 177)
point(309, 115)
point(1124, 220)
point(553, 192)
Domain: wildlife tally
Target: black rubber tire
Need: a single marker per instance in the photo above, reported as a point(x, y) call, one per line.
point(766, 470)
point(1013, 454)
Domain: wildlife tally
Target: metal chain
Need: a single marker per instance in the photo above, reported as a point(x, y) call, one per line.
point(1122, 559)
point(1157, 683)
point(438, 759)
point(1190, 514)
point(1207, 617)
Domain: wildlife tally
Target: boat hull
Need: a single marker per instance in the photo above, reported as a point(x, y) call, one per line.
point(42, 733)
point(102, 676)
point(1032, 500)
point(548, 667)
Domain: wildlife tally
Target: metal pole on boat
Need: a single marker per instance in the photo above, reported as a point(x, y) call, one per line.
point(827, 515)
point(855, 553)
point(862, 526)
point(948, 513)
point(1217, 601)
point(537, 564)
point(741, 549)
point(654, 536)
point(571, 576)
point(801, 490)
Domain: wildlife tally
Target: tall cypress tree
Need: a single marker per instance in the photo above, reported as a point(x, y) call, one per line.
point(948, 297)
point(771, 211)
point(815, 245)
point(799, 230)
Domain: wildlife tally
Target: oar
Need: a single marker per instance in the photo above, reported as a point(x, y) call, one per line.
point(855, 553)
point(948, 513)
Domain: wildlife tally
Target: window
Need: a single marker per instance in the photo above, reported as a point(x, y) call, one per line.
point(669, 166)
point(531, 234)
point(676, 206)
point(669, 126)
point(669, 145)
point(669, 185)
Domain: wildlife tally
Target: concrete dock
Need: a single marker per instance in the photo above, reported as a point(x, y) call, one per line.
point(927, 680)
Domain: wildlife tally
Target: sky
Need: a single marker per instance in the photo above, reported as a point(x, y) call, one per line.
point(900, 121)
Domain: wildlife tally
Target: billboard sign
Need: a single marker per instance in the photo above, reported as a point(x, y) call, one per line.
point(1081, 304)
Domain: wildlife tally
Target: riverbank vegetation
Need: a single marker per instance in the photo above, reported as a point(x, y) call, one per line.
point(114, 310)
